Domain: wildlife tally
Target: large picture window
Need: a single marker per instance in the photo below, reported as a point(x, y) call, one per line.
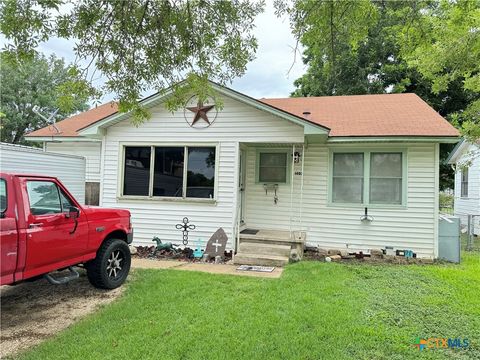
point(368, 178)
point(169, 171)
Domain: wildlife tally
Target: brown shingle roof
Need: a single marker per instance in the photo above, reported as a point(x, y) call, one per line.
point(71, 125)
point(369, 115)
point(355, 115)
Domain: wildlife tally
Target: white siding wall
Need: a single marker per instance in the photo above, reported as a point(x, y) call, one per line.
point(89, 149)
point(328, 226)
point(471, 204)
point(26, 160)
point(336, 226)
point(235, 123)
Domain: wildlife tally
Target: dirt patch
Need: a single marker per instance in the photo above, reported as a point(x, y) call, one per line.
point(34, 311)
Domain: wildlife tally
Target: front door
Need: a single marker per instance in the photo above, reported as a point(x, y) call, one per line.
point(53, 237)
point(241, 185)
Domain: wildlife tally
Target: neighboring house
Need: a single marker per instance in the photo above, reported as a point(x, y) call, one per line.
point(63, 138)
point(28, 160)
point(466, 158)
point(306, 168)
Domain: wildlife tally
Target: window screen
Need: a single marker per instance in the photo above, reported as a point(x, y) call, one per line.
point(347, 181)
point(44, 197)
point(201, 172)
point(137, 170)
point(386, 178)
point(168, 171)
point(272, 167)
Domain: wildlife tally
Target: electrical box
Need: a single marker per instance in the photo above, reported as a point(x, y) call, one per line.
point(449, 238)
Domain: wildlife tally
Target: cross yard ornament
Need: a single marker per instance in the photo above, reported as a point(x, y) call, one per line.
point(185, 226)
point(201, 118)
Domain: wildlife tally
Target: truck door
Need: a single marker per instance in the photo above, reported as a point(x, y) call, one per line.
point(8, 234)
point(54, 239)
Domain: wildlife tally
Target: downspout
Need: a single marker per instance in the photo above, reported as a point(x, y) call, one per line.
point(301, 188)
point(292, 170)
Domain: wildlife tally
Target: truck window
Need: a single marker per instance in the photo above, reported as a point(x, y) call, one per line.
point(3, 195)
point(66, 202)
point(44, 197)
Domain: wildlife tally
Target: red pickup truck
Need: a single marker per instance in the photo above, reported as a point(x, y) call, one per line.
point(43, 229)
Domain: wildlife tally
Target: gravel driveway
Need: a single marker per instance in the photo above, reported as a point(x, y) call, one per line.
point(34, 311)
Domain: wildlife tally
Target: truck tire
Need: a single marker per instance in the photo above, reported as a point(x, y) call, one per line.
point(111, 266)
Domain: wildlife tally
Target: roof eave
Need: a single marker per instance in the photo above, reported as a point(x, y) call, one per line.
point(394, 138)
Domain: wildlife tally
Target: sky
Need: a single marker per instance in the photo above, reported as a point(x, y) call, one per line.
point(267, 76)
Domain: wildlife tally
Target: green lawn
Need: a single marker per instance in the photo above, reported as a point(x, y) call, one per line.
point(315, 311)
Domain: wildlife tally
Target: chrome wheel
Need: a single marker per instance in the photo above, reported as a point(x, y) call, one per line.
point(114, 264)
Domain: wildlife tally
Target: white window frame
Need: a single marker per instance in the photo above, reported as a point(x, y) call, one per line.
point(366, 177)
point(150, 197)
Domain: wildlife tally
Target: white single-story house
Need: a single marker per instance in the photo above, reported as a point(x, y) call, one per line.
point(466, 158)
point(299, 169)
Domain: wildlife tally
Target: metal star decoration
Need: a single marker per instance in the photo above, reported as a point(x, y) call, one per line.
point(200, 112)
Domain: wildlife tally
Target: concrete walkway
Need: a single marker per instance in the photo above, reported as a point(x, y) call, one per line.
point(227, 269)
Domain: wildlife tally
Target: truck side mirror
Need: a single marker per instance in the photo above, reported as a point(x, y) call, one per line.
point(73, 212)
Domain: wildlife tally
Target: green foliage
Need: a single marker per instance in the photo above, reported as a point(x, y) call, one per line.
point(444, 45)
point(36, 82)
point(140, 45)
point(314, 311)
point(394, 46)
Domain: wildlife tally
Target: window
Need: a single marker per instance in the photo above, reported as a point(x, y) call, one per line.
point(386, 178)
point(464, 184)
point(272, 167)
point(44, 198)
point(168, 171)
point(3, 195)
point(201, 172)
point(137, 171)
point(347, 184)
point(178, 171)
point(66, 202)
point(368, 178)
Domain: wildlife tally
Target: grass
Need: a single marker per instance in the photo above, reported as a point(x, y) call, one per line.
point(315, 311)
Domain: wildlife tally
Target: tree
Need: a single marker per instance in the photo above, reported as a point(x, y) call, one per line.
point(32, 84)
point(343, 60)
point(140, 44)
point(444, 46)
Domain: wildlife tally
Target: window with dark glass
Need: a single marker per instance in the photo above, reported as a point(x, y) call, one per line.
point(137, 170)
point(44, 198)
point(168, 171)
point(201, 172)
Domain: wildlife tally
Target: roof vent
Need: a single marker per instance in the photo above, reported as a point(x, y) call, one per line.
point(306, 113)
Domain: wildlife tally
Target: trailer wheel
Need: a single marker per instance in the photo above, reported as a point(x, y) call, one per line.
point(111, 266)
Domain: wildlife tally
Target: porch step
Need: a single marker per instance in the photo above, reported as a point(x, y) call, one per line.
point(260, 259)
point(264, 249)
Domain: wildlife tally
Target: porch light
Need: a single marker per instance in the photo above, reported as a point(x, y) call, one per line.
point(296, 157)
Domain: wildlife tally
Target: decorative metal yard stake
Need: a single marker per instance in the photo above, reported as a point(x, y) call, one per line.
point(185, 226)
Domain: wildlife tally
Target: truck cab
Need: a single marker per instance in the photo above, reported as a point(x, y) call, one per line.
point(43, 228)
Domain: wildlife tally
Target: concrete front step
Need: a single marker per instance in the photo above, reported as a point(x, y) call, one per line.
point(264, 249)
point(260, 259)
